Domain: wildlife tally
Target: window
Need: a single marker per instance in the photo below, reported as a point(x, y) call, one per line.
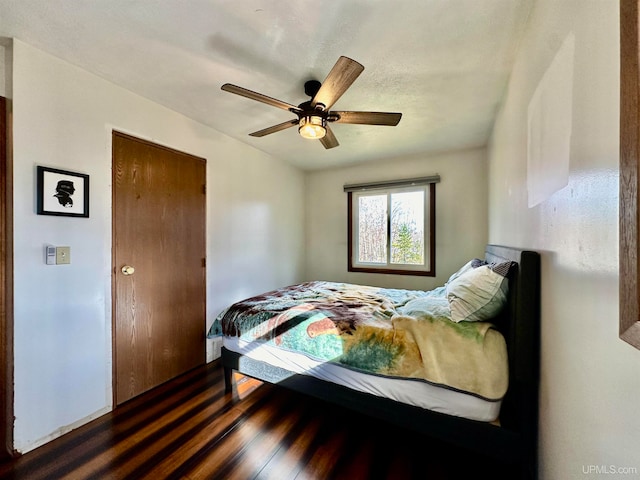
point(392, 227)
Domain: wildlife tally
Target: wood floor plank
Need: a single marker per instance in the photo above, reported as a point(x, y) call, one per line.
point(190, 449)
point(190, 429)
point(104, 433)
point(321, 462)
point(130, 441)
point(217, 418)
point(360, 462)
point(128, 454)
point(287, 461)
point(230, 449)
point(264, 446)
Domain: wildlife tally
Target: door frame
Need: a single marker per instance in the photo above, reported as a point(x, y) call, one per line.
point(629, 328)
point(6, 281)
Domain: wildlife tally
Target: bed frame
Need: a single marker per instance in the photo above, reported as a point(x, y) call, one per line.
point(514, 441)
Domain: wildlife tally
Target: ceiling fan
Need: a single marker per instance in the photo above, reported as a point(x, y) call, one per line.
point(315, 115)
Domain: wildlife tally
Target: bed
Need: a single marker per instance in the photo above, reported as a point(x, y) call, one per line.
point(465, 373)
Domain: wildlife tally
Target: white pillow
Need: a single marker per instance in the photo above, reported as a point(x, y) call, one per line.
point(478, 294)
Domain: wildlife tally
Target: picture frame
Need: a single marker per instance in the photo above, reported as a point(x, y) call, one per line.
point(62, 193)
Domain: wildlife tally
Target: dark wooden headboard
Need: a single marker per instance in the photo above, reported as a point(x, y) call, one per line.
point(520, 325)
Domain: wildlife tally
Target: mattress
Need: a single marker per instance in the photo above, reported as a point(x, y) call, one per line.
point(416, 392)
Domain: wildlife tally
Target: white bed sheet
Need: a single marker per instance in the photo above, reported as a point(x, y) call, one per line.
point(417, 393)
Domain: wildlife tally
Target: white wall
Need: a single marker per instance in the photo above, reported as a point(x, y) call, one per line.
point(3, 71)
point(63, 117)
point(461, 215)
point(590, 381)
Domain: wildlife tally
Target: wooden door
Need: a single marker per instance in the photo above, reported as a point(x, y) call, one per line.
point(158, 231)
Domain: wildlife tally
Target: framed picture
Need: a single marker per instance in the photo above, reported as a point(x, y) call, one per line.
point(62, 193)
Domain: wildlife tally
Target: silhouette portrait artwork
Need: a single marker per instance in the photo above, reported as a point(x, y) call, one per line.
point(64, 191)
point(61, 192)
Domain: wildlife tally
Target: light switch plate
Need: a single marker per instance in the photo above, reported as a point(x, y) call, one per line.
point(63, 255)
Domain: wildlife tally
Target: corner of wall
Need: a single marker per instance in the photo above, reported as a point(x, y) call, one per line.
point(6, 67)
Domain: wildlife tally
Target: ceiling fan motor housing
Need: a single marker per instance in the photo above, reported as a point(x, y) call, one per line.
point(311, 87)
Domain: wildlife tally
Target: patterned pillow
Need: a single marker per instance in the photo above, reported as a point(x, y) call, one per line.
point(479, 293)
point(471, 264)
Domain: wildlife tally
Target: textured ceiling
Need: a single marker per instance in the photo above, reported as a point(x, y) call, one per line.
point(443, 63)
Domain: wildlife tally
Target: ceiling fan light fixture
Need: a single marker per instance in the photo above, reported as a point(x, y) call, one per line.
point(312, 127)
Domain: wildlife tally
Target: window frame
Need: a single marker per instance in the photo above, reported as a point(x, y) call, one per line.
point(429, 225)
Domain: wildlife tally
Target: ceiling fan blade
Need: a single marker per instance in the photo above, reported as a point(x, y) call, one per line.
point(368, 118)
point(243, 92)
point(275, 128)
point(341, 76)
point(329, 140)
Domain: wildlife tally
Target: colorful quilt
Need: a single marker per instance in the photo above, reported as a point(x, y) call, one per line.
point(389, 332)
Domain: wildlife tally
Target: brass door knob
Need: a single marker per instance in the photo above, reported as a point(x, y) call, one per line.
point(127, 270)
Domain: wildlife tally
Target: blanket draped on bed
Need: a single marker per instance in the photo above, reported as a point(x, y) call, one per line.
point(388, 332)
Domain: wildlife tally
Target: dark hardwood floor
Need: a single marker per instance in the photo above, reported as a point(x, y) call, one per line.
point(189, 429)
